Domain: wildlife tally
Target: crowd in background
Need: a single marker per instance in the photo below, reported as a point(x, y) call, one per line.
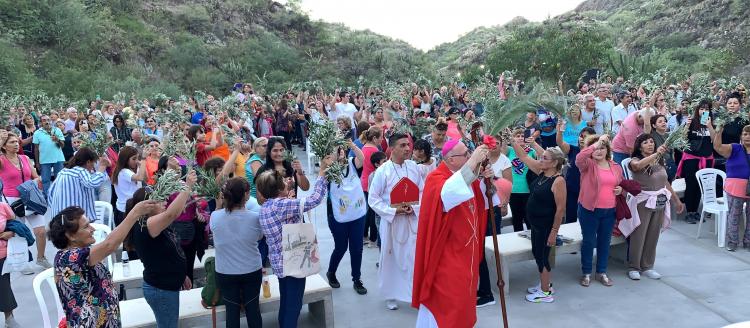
point(246, 151)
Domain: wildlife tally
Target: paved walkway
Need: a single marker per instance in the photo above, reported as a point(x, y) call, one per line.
point(703, 286)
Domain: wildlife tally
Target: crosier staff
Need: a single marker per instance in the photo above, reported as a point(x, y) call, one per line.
point(490, 191)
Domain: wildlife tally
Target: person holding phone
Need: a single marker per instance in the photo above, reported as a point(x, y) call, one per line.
point(699, 156)
point(519, 170)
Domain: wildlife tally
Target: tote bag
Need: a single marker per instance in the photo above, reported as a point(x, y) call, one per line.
point(18, 255)
point(299, 253)
point(348, 199)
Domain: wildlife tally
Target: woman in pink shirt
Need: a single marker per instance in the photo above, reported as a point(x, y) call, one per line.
point(600, 180)
point(372, 138)
point(632, 127)
point(16, 169)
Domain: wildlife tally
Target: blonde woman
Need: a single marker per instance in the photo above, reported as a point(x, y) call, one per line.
point(545, 210)
point(574, 124)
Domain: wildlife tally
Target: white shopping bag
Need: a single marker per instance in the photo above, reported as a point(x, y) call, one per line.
point(18, 255)
point(300, 256)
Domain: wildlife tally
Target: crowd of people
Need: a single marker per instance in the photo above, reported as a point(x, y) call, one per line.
point(548, 169)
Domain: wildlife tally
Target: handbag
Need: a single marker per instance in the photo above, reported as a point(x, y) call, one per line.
point(18, 255)
point(747, 187)
point(348, 199)
point(18, 206)
point(299, 255)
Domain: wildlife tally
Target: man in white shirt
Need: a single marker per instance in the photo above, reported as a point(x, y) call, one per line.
point(604, 105)
point(621, 111)
point(344, 108)
point(70, 123)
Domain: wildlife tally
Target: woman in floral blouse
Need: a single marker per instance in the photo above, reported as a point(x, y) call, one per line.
point(83, 282)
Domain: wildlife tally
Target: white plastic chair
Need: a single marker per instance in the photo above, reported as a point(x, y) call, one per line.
point(105, 214)
point(711, 203)
point(100, 234)
point(310, 156)
point(626, 168)
point(47, 276)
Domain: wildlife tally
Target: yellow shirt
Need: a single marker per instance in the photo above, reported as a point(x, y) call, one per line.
point(239, 165)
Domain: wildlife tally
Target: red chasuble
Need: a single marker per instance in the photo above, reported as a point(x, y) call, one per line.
point(449, 249)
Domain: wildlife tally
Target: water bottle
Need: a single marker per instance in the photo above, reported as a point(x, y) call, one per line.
point(125, 264)
point(266, 288)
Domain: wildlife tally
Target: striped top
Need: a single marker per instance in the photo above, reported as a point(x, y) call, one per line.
point(76, 187)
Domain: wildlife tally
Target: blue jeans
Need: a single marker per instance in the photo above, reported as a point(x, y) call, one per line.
point(290, 301)
point(345, 235)
point(596, 228)
point(165, 304)
point(47, 175)
point(619, 157)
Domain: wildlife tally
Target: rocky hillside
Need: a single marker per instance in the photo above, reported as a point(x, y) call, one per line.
point(88, 47)
point(687, 29)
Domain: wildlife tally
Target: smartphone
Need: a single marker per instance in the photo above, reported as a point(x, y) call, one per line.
point(704, 117)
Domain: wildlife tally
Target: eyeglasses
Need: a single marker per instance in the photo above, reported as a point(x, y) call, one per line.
point(465, 154)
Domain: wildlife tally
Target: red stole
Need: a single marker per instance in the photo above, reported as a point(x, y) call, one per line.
point(449, 249)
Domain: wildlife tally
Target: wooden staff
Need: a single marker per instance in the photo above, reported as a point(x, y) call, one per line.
point(490, 191)
point(498, 266)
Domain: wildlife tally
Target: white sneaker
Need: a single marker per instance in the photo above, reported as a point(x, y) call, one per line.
point(538, 288)
point(652, 274)
point(391, 305)
point(42, 262)
point(635, 275)
point(11, 323)
point(540, 297)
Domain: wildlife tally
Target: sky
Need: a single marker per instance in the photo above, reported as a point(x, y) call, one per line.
point(428, 23)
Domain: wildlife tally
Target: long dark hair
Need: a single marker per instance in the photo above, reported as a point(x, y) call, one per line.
point(269, 164)
point(695, 125)
point(138, 196)
point(123, 160)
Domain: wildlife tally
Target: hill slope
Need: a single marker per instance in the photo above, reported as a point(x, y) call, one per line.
point(681, 31)
point(88, 47)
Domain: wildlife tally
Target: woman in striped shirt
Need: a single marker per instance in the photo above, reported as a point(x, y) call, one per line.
point(76, 185)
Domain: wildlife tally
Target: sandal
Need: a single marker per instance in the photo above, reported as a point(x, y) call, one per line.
point(602, 277)
point(586, 280)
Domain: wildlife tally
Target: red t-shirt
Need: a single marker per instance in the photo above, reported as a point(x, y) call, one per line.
point(367, 167)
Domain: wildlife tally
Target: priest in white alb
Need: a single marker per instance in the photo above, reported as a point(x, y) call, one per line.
point(398, 221)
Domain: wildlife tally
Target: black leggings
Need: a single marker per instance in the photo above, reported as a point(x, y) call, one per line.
point(371, 228)
point(539, 248)
point(692, 188)
point(241, 290)
point(517, 204)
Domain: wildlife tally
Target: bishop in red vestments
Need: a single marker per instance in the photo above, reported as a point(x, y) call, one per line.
point(452, 222)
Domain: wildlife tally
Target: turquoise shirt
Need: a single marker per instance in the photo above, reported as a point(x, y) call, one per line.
point(570, 135)
point(49, 151)
point(519, 170)
point(249, 173)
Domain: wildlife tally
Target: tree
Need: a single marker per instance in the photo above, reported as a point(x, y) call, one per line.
point(550, 50)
